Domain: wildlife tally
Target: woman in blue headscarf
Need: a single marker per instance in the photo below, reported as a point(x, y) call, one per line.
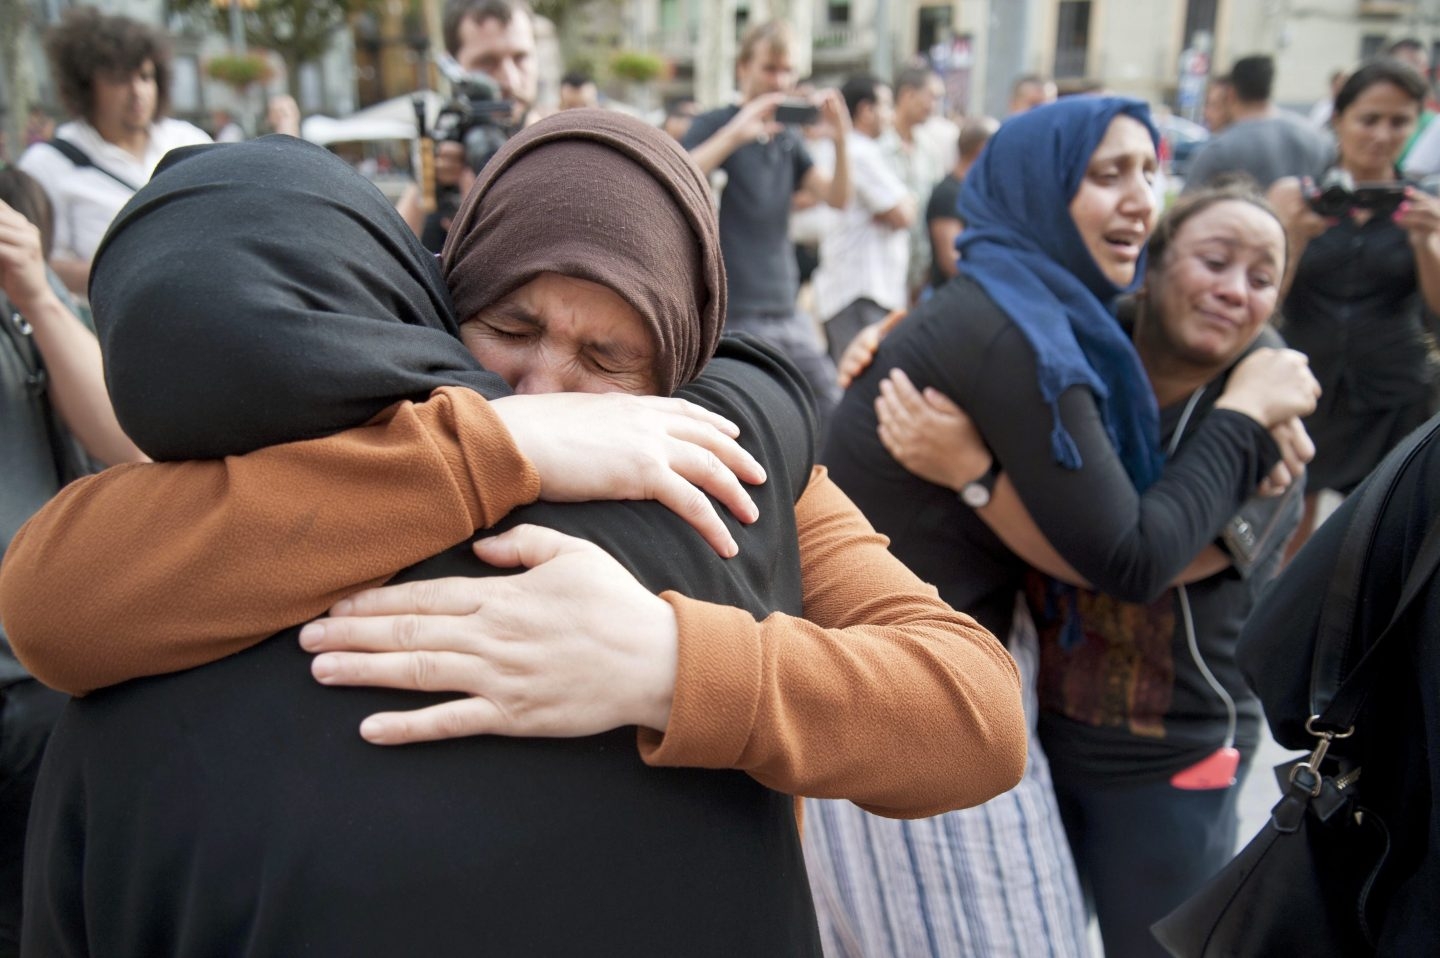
point(1058, 212)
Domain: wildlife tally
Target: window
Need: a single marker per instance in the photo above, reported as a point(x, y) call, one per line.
point(837, 14)
point(934, 26)
point(1072, 38)
point(1199, 16)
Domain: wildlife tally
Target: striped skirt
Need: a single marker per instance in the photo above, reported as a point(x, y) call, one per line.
point(996, 880)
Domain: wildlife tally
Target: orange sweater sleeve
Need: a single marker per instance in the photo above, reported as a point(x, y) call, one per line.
point(153, 568)
point(882, 695)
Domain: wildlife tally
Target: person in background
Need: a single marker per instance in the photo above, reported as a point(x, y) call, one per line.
point(1364, 287)
point(113, 75)
point(491, 37)
point(863, 252)
point(943, 125)
point(39, 127)
point(1261, 140)
point(226, 129)
point(1414, 55)
point(282, 115)
point(577, 90)
point(1030, 91)
point(766, 164)
point(1219, 109)
point(52, 397)
point(942, 213)
point(679, 114)
point(917, 159)
point(496, 38)
point(1324, 108)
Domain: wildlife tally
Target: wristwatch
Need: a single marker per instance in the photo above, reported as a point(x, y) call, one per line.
point(976, 493)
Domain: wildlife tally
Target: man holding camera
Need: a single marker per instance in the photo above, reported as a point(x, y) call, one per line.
point(495, 39)
point(766, 164)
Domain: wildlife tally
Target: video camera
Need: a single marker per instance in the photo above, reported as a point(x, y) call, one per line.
point(1338, 194)
point(476, 118)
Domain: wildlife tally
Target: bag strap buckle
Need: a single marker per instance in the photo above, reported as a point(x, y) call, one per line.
point(1322, 746)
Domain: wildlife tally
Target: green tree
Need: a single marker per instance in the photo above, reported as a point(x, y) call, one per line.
point(300, 31)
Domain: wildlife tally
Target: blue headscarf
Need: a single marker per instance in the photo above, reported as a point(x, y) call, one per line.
point(1024, 250)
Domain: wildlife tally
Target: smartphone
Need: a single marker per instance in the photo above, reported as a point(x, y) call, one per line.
point(797, 113)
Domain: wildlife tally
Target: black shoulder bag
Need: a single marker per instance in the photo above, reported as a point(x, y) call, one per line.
point(1302, 884)
point(71, 460)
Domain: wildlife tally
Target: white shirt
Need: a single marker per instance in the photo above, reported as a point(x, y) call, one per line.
point(860, 258)
point(920, 166)
point(85, 199)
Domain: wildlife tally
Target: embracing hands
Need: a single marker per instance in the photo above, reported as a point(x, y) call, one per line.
point(575, 646)
point(590, 446)
point(928, 434)
point(1272, 386)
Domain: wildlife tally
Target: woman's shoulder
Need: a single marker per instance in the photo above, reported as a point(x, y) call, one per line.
point(961, 311)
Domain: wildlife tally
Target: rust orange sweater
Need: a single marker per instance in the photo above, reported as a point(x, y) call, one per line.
point(882, 695)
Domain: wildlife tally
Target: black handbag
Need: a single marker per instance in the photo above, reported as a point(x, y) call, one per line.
point(1302, 884)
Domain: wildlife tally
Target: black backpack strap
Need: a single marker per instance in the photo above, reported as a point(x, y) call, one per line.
point(81, 159)
point(1338, 690)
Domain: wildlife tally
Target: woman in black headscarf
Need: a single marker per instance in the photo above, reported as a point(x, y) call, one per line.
point(651, 861)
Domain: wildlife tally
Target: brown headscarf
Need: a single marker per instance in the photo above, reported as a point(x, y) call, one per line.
point(601, 196)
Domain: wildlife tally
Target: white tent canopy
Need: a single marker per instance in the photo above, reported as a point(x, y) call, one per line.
point(392, 119)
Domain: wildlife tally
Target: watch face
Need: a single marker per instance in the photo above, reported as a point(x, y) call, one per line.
point(975, 495)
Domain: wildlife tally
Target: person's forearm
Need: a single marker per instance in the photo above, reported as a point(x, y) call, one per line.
point(715, 151)
point(73, 272)
point(1427, 269)
point(900, 216)
point(1008, 518)
point(159, 567)
point(76, 381)
point(837, 193)
point(883, 695)
point(411, 208)
point(943, 233)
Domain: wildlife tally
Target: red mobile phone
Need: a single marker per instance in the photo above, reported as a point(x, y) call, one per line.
point(1216, 770)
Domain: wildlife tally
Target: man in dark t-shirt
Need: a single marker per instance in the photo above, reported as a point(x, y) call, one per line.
point(765, 164)
point(942, 212)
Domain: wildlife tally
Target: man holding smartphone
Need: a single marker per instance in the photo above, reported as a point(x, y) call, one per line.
point(766, 163)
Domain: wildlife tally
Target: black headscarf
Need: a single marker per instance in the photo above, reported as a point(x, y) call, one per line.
point(263, 292)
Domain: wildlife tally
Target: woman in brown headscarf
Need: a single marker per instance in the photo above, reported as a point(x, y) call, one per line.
point(900, 703)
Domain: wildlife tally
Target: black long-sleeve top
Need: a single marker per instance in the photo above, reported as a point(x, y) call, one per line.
point(1126, 544)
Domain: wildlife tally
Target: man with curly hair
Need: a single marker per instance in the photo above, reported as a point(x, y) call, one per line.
point(113, 76)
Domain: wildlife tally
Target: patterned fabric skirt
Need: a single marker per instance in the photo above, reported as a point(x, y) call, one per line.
point(992, 881)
